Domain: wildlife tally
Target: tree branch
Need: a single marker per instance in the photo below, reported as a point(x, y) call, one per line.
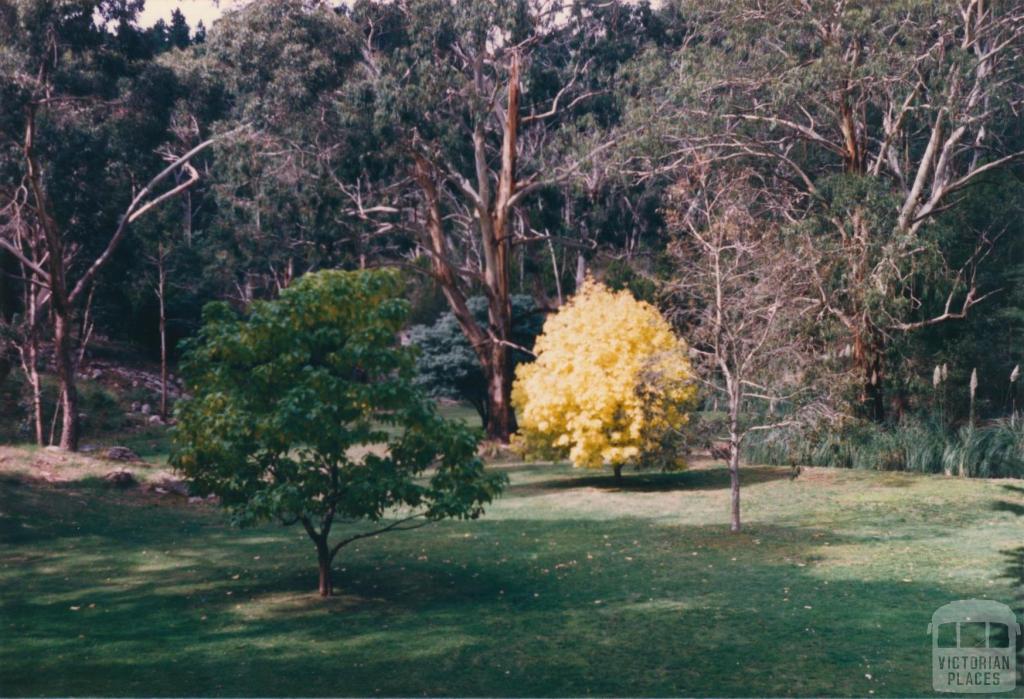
point(394, 526)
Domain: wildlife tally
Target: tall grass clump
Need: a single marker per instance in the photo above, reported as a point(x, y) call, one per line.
point(992, 450)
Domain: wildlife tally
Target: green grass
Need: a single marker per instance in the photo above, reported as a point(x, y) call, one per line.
point(459, 411)
point(569, 586)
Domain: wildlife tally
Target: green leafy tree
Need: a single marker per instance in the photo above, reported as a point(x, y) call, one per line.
point(272, 70)
point(305, 412)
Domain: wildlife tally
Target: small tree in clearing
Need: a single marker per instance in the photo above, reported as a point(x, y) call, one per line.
point(742, 291)
point(305, 412)
point(610, 381)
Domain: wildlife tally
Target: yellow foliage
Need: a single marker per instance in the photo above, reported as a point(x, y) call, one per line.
point(610, 379)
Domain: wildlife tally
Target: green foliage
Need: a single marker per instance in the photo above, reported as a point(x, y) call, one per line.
point(332, 104)
point(994, 450)
point(102, 413)
point(306, 409)
point(447, 366)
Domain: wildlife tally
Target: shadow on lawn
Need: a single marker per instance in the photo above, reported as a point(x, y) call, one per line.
point(1015, 571)
point(645, 482)
point(185, 606)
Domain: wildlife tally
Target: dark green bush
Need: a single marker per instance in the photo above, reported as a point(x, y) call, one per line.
point(102, 413)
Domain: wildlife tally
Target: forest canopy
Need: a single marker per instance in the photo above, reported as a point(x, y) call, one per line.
point(499, 153)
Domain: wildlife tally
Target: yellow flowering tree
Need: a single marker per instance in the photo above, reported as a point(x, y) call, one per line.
point(610, 382)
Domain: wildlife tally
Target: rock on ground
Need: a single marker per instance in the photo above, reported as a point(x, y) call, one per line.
point(121, 454)
point(121, 479)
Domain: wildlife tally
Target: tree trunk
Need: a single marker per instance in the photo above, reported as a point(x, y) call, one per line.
point(501, 421)
point(30, 365)
point(1013, 403)
point(867, 357)
point(8, 306)
point(66, 378)
point(326, 587)
point(30, 361)
point(187, 210)
point(61, 300)
point(873, 389)
point(734, 480)
point(735, 440)
point(5, 365)
point(32, 369)
point(617, 470)
point(324, 555)
point(160, 289)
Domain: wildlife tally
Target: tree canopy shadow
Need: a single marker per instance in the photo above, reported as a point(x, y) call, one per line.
point(716, 478)
point(1015, 570)
point(479, 623)
point(523, 606)
point(1011, 507)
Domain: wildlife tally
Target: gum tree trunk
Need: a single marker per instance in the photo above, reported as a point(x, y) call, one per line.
point(501, 422)
point(493, 206)
point(734, 482)
point(160, 294)
point(32, 368)
point(66, 377)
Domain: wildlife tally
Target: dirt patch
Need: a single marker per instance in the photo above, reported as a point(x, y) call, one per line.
point(299, 604)
point(56, 466)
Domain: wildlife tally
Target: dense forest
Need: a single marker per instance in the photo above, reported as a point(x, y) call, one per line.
point(824, 198)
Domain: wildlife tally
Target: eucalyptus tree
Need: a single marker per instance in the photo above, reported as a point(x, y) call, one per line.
point(271, 70)
point(446, 366)
point(886, 116)
point(483, 111)
point(83, 123)
point(444, 136)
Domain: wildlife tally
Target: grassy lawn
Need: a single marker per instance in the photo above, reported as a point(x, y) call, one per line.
point(569, 586)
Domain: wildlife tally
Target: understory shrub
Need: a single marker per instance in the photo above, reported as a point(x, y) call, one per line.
point(991, 450)
point(101, 413)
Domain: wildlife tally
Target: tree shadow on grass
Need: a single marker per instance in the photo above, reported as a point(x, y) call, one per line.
point(648, 482)
point(1015, 571)
point(153, 602)
point(509, 634)
point(1011, 507)
point(70, 507)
